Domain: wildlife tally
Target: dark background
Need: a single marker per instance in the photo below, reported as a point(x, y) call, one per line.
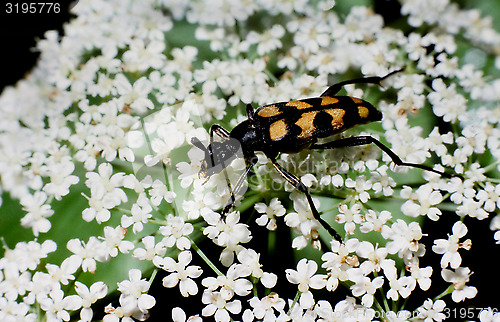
point(19, 33)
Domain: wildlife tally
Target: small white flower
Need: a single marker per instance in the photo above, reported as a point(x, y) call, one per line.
point(135, 95)
point(269, 213)
point(181, 273)
point(267, 307)
point(57, 305)
point(160, 192)
point(228, 233)
point(90, 252)
point(488, 315)
point(140, 214)
point(305, 276)
point(449, 248)
point(176, 232)
point(458, 278)
point(427, 198)
point(232, 283)
point(364, 286)
point(374, 222)
point(405, 239)
point(113, 237)
point(432, 311)
point(472, 208)
point(361, 187)
point(97, 291)
point(37, 212)
point(403, 285)
point(133, 291)
point(151, 249)
point(374, 257)
point(218, 306)
point(302, 221)
point(490, 195)
point(349, 216)
point(178, 315)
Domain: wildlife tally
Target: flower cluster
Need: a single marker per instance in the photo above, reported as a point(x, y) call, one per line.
point(107, 118)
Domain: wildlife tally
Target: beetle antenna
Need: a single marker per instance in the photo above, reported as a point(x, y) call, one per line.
point(197, 143)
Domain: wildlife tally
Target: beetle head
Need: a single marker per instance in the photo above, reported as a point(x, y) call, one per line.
point(218, 155)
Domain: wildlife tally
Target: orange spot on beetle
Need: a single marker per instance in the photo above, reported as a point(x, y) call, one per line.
point(277, 130)
point(338, 117)
point(268, 111)
point(299, 104)
point(327, 100)
point(363, 112)
point(306, 123)
point(357, 100)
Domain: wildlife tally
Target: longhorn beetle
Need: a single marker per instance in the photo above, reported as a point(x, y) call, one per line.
point(289, 127)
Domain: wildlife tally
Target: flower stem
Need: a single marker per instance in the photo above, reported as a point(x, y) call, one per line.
point(446, 292)
point(206, 259)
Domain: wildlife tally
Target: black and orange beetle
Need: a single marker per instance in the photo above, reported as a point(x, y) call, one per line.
point(289, 127)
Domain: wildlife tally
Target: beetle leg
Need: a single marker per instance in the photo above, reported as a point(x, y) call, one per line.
point(250, 163)
point(302, 188)
point(362, 140)
point(220, 131)
point(335, 88)
point(250, 112)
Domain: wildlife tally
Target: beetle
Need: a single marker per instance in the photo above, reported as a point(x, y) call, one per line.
point(289, 127)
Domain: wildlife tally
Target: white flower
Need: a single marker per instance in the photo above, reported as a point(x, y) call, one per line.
point(266, 307)
point(232, 283)
point(490, 195)
point(432, 311)
point(361, 187)
point(61, 178)
point(134, 290)
point(374, 222)
point(302, 221)
point(135, 95)
point(160, 192)
point(349, 216)
point(446, 102)
point(382, 181)
point(142, 56)
point(105, 184)
point(403, 285)
point(37, 212)
point(374, 257)
point(449, 248)
point(458, 278)
point(488, 315)
point(176, 232)
point(64, 273)
point(113, 237)
point(181, 273)
point(218, 306)
point(405, 239)
point(267, 41)
point(305, 277)
point(228, 233)
point(57, 305)
point(364, 286)
point(89, 252)
point(178, 315)
point(269, 213)
point(427, 198)
point(141, 212)
point(97, 291)
point(421, 275)
point(472, 208)
point(151, 249)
